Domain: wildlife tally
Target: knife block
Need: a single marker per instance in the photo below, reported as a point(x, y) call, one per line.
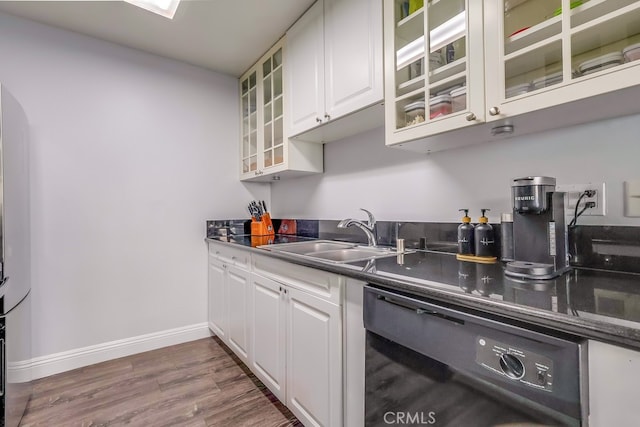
point(262, 228)
point(261, 240)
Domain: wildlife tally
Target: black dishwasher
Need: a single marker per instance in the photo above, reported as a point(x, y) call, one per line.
point(430, 364)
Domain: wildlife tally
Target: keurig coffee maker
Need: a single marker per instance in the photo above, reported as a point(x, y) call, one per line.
point(540, 248)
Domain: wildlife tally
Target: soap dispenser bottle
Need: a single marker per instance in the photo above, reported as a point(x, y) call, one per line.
point(484, 237)
point(465, 235)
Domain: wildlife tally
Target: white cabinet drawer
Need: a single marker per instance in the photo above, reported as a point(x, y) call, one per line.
point(319, 283)
point(233, 256)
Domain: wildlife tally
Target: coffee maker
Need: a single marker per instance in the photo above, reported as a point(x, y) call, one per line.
point(540, 246)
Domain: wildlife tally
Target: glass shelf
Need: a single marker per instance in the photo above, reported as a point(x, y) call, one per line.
point(622, 24)
point(448, 70)
point(533, 35)
point(411, 26)
point(595, 9)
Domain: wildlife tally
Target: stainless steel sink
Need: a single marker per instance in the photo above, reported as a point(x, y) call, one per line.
point(330, 251)
point(352, 255)
point(309, 247)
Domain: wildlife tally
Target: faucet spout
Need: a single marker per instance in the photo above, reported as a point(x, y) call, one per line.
point(369, 228)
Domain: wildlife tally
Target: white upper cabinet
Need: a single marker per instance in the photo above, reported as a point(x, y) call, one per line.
point(353, 55)
point(335, 69)
point(525, 65)
point(265, 151)
point(305, 56)
point(541, 57)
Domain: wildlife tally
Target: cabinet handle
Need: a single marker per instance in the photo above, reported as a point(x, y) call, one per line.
point(470, 117)
point(327, 117)
point(318, 120)
point(280, 288)
point(494, 111)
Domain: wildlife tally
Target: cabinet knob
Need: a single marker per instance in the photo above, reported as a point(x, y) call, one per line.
point(327, 117)
point(494, 111)
point(233, 258)
point(470, 117)
point(318, 120)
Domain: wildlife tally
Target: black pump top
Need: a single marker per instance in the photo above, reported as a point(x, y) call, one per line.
point(465, 219)
point(483, 218)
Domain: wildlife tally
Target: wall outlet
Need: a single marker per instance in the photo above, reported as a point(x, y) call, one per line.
point(575, 190)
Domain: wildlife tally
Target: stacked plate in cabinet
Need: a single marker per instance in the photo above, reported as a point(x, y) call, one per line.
point(601, 63)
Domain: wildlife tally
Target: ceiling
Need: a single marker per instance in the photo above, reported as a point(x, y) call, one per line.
point(227, 36)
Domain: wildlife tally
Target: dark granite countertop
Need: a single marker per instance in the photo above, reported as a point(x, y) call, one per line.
point(595, 304)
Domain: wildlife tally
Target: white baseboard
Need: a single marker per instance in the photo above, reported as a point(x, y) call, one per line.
point(44, 366)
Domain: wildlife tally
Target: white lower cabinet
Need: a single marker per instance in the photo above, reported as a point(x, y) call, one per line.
point(228, 303)
point(613, 385)
point(238, 288)
point(269, 334)
point(354, 339)
point(314, 359)
point(290, 325)
point(297, 350)
point(217, 298)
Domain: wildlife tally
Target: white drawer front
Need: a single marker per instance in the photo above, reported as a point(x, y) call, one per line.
point(316, 282)
point(233, 256)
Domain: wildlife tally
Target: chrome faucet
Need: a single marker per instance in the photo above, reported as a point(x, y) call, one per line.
point(369, 227)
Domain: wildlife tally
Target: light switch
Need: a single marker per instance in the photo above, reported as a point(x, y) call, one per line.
point(632, 198)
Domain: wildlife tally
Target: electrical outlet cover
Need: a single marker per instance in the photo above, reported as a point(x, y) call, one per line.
point(632, 198)
point(573, 193)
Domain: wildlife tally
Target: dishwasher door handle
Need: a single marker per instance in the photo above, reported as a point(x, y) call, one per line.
point(419, 310)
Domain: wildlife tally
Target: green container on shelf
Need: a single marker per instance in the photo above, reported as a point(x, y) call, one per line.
point(573, 4)
point(415, 5)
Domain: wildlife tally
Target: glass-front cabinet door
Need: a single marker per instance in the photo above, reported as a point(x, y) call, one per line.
point(435, 68)
point(266, 153)
point(249, 117)
point(273, 127)
point(543, 50)
point(263, 145)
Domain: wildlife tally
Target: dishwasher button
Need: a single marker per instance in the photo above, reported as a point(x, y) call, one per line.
point(542, 380)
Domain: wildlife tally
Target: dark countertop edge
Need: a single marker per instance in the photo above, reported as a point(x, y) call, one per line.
point(586, 328)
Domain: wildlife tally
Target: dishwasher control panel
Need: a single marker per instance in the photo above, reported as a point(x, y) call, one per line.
point(515, 364)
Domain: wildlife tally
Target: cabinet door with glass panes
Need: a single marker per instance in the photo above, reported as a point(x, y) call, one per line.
point(272, 101)
point(434, 67)
point(249, 123)
point(542, 53)
point(262, 149)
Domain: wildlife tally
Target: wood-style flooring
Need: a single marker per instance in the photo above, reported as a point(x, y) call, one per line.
point(199, 383)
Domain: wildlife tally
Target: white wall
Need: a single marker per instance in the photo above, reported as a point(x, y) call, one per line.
point(131, 153)
point(399, 185)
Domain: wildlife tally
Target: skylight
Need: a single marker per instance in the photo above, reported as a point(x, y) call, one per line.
point(166, 8)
